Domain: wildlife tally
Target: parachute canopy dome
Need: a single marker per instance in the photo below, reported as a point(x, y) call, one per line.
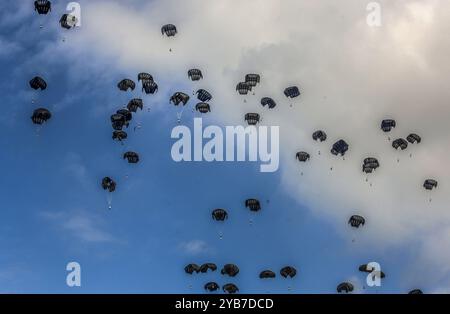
point(269, 102)
point(134, 104)
point(68, 21)
point(195, 74)
point(430, 184)
point(400, 143)
point(302, 156)
point(252, 79)
point(267, 274)
point(203, 95)
point(211, 286)
point(243, 88)
point(132, 157)
point(119, 135)
point(40, 116)
point(345, 287)
point(288, 271)
point(387, 125)
point(219, 214)
point(370, 164)
point(126, 113)
point(108, 184)
point(413, 138)
point(38, 83)
point(191, 268)
point(356, 221)
point(415, 291)
point(203, 107)
point(118, 121)
point(149, 87)
point(252, 118)
point(126, 84)
point(42, 6)
point(230, 288)
point(143, 76)
point(319, 136)
point(339, 148)
point(178, 98)
point(207, 266)
point(292, 92)
point(253, 204)
point(366, 269)
point(169, 30)
point(230, 270)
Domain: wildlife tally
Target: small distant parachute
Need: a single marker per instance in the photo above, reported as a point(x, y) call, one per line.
point(119, 135)
point(319, 136)
point(190, 268)
point(267, 274)
point(302, 156)
point(356, 221)
point(243, 88)
point(230, 270)
point(149, 87)
point(253, 204)
point(364, 268)
point(288, 271)
point(339, 148)
point(269, 102)
point(211, 286)
point(400, 143)
point(230, 288)
point(42, 6)
point(144, 77)
point(134, 104)
point(132, 157)
point(219, 214)
point(252, 118)
point(207, 266)
point(108, 184)
point(126, 84)
point(387, 125)
point(345, 287)
point(178, 98)
point(203, 95)
point(413, 138)
point(370, 164)
point(118, 121)
point(127, 114)
point(252, 79)
point(415, 291)
point(169, 30)
point(38, 83)
point(203, 107)
point(430, 184)
point(68, 21)
point(292, 92)
point(40, 116)
point(195, 74)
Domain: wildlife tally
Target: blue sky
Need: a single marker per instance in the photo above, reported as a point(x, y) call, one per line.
point(54, 210)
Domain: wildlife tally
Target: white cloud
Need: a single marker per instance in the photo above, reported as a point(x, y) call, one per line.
point(194, 247)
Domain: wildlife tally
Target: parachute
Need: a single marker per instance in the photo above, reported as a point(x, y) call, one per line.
point(119, 135)
point(365, 269)
point(68, 21)
point(126, 84)
point(230, 288)
point(252, 118)
point(211, 286)
point(288, 271)
point(203, 107)
point(178, 98)
point(108, 184)
point(252, 79)
point(370, 164)
point(230, 270)
point(127, 115)
point(413, 138)
point(38, 83)
point(145, 77)
point(415, 291)
point(40, 116)
point(345, 287)
point(356, 221)
point(190, 268)
point(429, 184)
point(149, 87)
point(243, 88)
point(134, 104)
point(339, 148)
point(132, 157)
point(267, 274)
point(253, 204)
point(400, 143)
point(195, 74)
point(207, 266)
point(42, 6)
point(269, 102)
point(219, 214)
point(292, 92)
point(118, 121)
point(203, 95)
point(302, 156)
point(169, 30)
point(319, 136)
point(387, 125)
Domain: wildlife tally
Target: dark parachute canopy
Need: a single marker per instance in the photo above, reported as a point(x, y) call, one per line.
point(339, 148)
point(230, 270)
point(108, 184)
point(413, 138)
point(387, 125)
point(143, 76)
point(211, 286)
point(134, 104)
point(415, 291)
point(203, 95)
point(243, 88)
point(253, 204)
point(269, 102)
point(178, 98)
point(190, 268)
point(207, 266)
point(252, 118)
point(345, 287)
point(319, 136)
point(252, 79)
point(288, 271)
point(42, 6)
point(126, 84)
point(370, 164)
point(366, 269)
point(68, 21)
point(132, 157)
point(292, 92)
point(127, 114)
point(429, 184)
point(302, 156)
point(400, 143)
point(203, 107)
point(38, 82)
point(169, 30)
point(230, 288)
point(149, 87)
point(40, 116)
point(267, 274)
point(118, 121)
point(195, 74)
point(219, 214)
point(356, 221)
point(119, 135)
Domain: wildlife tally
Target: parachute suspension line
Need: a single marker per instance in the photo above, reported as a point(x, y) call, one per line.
point(179, 115)
point(38, 130)
point(109, 199)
